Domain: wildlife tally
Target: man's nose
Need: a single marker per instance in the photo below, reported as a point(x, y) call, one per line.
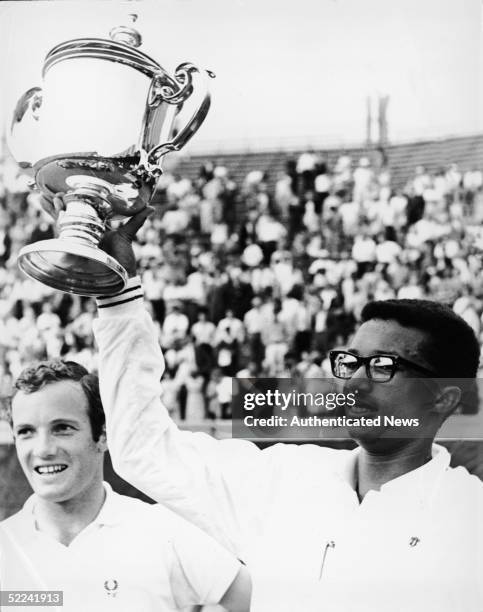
point(359, 380)
point(45, 445)
point(360, 372)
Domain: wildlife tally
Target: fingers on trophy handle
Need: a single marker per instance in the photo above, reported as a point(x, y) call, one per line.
point(131, 227)
point(183, 77)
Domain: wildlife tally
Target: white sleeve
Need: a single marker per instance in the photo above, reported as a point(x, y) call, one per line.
point(217, 485)
point(201, 569)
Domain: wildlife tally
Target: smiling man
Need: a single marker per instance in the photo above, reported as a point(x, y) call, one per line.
point(103, 550)
point(388, 526)
point(400, 364)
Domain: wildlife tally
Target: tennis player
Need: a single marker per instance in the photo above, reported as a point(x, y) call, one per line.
point(104, 551)
point(389, 526)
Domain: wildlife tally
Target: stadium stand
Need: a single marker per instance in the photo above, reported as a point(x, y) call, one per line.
point(259, 263)
point(402, 158)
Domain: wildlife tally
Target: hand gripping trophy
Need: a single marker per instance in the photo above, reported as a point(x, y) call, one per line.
point(97, 131)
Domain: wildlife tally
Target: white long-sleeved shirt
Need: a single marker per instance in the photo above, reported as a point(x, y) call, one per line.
point(291, 512)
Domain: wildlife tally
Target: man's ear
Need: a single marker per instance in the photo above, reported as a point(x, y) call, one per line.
point(447, 401)
point(102, 442)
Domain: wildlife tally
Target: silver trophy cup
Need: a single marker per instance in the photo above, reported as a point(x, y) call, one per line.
point(97, 131)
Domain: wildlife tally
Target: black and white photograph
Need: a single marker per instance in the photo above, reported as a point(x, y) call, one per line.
point(241, 305)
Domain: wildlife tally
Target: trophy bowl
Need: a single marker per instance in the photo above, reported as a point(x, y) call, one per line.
point(96, 131)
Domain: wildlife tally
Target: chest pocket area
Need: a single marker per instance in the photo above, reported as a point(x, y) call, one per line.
point(397, 567)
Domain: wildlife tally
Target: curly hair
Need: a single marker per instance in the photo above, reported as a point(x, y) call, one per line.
point(37, 376)
point(452, 347)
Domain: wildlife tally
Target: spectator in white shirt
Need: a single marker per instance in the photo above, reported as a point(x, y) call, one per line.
point(472, 183)
point(230, 333)
point(467, 307)
point(221, 394)
point(174, 221)
point(342, 172)
point(306, 165)
point(322, 187)
point(230, 325)
point(387, 251)
point(363, 178)
point(285, 273)
point(254, 321)
point(178, 188)
point(203, 331)
point(311, 219)
point(284, 196)
point(453, 179)
point(275, 337)
point(411, 290)
point(398, 203)
point(150, 248)
point(81, 327)
point(421, 180)
point(269, 232)
point(175, 326)
point(48, 321)
point(364, 252)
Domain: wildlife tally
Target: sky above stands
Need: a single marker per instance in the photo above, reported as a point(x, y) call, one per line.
point(288, 72)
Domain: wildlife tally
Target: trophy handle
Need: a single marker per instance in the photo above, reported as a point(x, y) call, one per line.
point(184, 80)
point(30, 101)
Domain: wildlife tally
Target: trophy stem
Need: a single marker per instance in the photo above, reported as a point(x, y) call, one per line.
point(80, 222)
point(86, 209)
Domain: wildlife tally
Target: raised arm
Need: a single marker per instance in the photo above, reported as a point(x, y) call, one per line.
point(213, 484)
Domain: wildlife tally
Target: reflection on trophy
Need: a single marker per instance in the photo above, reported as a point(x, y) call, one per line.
point(97, 132)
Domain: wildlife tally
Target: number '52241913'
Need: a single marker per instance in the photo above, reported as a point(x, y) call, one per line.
point(31, 598)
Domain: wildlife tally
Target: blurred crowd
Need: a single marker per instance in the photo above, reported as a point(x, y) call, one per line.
point(250, 280)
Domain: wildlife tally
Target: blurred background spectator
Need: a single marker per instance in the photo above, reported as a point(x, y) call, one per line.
point(261, 274)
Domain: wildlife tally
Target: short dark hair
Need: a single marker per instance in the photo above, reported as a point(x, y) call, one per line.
point(37, 376)
point(452, 350)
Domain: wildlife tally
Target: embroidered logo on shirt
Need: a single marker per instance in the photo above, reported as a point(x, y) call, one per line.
point(111, 587)
point(414, 541)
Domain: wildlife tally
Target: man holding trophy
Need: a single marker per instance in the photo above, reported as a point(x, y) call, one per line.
point(388, 526)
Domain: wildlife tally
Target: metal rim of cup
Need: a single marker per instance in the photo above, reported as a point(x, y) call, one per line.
point(100, 48)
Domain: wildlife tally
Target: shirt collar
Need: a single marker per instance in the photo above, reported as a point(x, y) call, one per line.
point(426, 477)
point(112, 512)
point(422, 482)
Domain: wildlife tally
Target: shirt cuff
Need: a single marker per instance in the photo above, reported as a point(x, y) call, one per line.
point(127, 302)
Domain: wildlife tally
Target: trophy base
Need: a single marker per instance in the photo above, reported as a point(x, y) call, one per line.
point(73, 267)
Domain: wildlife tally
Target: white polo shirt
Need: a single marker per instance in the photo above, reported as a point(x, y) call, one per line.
point(291, 512)
point(133, 557)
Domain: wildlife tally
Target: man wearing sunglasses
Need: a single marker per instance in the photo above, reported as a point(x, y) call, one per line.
point(386, 527)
